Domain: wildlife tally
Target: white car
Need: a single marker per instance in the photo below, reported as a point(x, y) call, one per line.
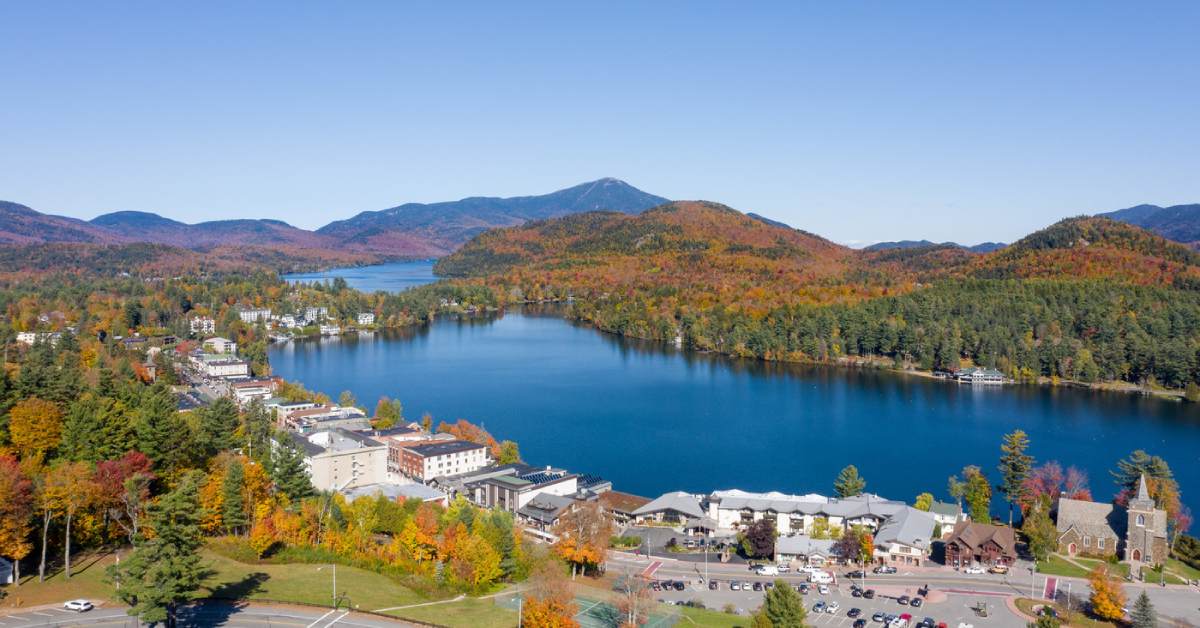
point(832, 608)
point(79, 606)
point(823, 590)
point(974, 569)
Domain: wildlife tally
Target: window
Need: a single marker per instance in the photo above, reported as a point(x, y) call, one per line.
point(1100, 542)
point(1141, 521)
point(1087, 541)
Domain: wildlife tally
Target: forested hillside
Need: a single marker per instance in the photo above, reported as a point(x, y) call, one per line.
point(1086, 299)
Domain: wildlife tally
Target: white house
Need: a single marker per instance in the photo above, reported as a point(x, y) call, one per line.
point(424, 461)
point(366, 318)
point(220, 365)
point(947, 515)
point(316, 314)
point(802, 550)
point(330, 330)
point(220, 345)
point(254, 314)
point(202, 325)
point(339, 459)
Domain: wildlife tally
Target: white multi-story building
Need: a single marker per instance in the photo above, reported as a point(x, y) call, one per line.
point(220, 365)
point(316, 314)
point(202, 325)
point(254, 314)
point(339, 459)
point(366, 318)
point(219, 345)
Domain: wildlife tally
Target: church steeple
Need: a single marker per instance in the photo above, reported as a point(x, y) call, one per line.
point(1143, 501)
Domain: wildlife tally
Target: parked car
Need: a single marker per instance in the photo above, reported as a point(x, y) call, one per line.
point(885, 569)
point(878, 617)
point(854, 612)
point(679, 585)
point(819, 607)
point(769, 585)
point(757, 586)
point(916, 602)
point(801, 589)
point(856, 574)
point(927, 623)
point(860, 623)
point(79, 606)
point(784, 569)
point(712, 585)
point(1000, 569)
point(823, 590)
point(903, 600)
point(869, 594)
point(804, 588)
point(974, 569)
point(832, 607)
point(655, 585)
point(735, 586)
point(856, 592)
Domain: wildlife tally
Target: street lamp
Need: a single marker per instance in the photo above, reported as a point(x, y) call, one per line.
point(333, 567)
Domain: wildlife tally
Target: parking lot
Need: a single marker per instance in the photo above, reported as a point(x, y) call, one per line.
point(952, 609)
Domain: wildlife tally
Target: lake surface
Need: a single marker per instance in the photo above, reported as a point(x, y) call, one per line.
point(391, 277)
point(653, 419)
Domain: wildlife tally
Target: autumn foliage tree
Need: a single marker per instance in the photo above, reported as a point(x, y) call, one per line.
point(35, 427)
point(1108, 598)
point(549, 602)
point(583, 534)
point(16, 513)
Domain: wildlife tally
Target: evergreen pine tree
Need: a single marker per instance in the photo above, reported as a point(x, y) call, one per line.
point(165, 570)
point(287, 471)
point(782, 607)
point(218, 424)
point(159, 432)
point(1014, 468)
point(849, 483)
point(233, 505)
point(256, 431)
point(82, 430)
point(1143, 615)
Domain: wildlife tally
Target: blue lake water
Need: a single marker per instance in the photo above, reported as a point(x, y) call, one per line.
point(654, 419)
point(391, 277)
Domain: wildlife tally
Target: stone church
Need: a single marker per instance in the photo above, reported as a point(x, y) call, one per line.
point(1136, 533)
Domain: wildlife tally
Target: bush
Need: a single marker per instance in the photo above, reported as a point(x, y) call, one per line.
point(729, 609)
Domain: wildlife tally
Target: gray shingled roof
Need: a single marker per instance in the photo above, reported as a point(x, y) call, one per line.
point(678, 501)
point(801, 545)
point(909, 527)
point(946, 509)
point(1089, 518)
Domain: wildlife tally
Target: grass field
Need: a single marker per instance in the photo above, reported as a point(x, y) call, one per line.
point(701, 618)
point(1057, 566)
point(467, 612)
point(1076, 620)
point(230, 579)
point(1184, 570)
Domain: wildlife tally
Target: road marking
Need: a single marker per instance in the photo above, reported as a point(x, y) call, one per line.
point(337, 619)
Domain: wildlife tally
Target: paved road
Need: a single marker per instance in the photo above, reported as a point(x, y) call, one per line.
point(233, 616)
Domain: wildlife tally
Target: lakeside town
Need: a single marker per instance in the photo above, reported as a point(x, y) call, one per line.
point(725, 549)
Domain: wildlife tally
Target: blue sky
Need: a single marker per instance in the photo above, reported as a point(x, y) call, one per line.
point(867, 122)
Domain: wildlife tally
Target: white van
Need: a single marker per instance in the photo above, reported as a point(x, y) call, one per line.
point(768, 570)
point(820, 577)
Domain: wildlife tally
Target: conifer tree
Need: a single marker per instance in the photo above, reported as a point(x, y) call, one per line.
point(164, 569)
point(287, 471)
point(1143, 615)
point(1014, 468)
point(160, 433)
point(782, 607)
point(849, 483)
point(233, 505)
point(218, 424)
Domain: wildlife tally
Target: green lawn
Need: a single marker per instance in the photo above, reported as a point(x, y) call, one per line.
point(1076, 617)
point(711, 619)
point(1183, 569)
point(1056, 566)
point(466, 613)
point(1120, 569)
point(230, 579)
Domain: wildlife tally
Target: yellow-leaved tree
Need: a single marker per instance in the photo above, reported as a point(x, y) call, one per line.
point(1108, 599)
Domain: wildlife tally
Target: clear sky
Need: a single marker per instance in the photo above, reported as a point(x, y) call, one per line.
point(868, 122)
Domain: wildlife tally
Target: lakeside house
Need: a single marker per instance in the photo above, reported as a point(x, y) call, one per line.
point(366, 318)
point(621, 506)
point(219, 345)
point(947, 515)
point(905, 538)
point(1135, 533)
point(979, 375)
point(981, 543)
point(219, 366)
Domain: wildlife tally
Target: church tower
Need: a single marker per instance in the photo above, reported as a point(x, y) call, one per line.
point(1141, 533)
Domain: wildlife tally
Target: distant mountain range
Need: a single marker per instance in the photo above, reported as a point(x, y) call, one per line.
point(412, 230)
point(985, 247)
point(1180, 223)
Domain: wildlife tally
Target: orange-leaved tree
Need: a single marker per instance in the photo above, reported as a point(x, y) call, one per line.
point(1108, 599)
point(35, 427)
point(583, 534)
point(549, 601)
